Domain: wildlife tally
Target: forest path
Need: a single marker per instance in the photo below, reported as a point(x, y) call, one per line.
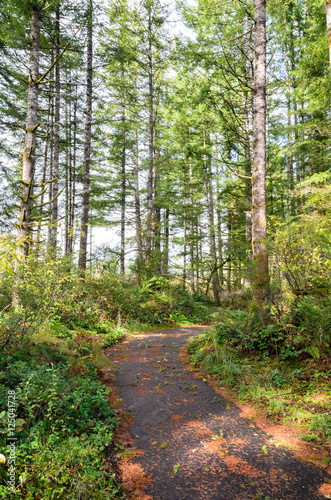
point(190, 442)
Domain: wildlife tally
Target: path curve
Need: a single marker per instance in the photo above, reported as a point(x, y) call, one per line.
point(191, 442)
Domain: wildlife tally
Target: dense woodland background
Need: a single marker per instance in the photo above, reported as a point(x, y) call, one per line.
point(166, 155)
point(147, 118)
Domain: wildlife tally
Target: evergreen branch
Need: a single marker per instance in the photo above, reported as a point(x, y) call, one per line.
point(46, 182)
point(32, 129)
point(58, 58)
point(48, 6)
point(50, 201)
point(39, 217)
point(57, 220)
point(37, 195)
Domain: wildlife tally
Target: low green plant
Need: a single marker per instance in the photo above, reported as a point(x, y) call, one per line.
point(64, 424)
point(258, 364)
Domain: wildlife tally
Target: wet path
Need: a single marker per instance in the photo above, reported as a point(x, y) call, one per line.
point(192, 442)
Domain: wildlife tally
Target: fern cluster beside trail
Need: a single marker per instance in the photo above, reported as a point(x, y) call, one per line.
point(64, 425)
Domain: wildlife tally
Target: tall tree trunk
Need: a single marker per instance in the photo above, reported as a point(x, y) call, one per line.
point(259, 215)
point(29, 152)
point(50, 176)
point(229, 269)
point(165, 269)
point(218, 215)
point(200, 269)
point(290, 66)
point(73, 180)
point(67, 167)
point(296, 140)
point(150, 182)
point(137, 205)
point(197, 258)
point(289, 156)
point(185, 229)
point(42, 204)
point(55, 189)
point(24, 220)
point(87, 150)
point(211, 227)
point(157, 206)
point(328, 24)
point(191, 228)
point(248, 182)
point(249, 76)
point(123, 185)
point(292, 84)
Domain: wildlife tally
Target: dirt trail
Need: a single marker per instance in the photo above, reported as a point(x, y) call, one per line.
point(190, 442)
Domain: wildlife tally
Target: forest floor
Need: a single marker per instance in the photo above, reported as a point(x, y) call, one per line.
point(181, 438)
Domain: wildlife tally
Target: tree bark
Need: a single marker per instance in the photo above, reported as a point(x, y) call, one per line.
point(229, 245)
point(211, 227)
point(50, 176)
point(24, 220)
point(289, 156)
point(218, 215)
point(73, 180)
point(137, 205)
point(40, 216)
point(68, 163)
point(87, 150)
point(248, 182)
point(165, 267)
point(328, 24)
point(191, 228)
point(200, 269)
point(197, 258)
point(150, 182)
point(123, 181)
point(185, 228)
point(55, 187)
point(157, 206)
point(259, 216)
point(249, 76)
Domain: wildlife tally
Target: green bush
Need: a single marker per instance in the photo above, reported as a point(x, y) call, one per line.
point(312, 317)
point(271, 366)
point(64, 422)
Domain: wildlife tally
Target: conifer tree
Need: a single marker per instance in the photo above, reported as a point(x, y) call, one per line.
point(87, 145)
point(28, 168)
point(259, 214)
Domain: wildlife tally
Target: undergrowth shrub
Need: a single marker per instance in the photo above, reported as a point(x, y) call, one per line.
point(64, 423)
point(300, 256)
point(51, 296)
point(156, 301)
point(274, 367)
point(312, 318)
